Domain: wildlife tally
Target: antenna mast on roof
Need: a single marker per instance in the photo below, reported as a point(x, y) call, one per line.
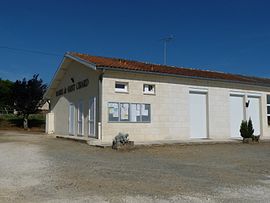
point(165, 41)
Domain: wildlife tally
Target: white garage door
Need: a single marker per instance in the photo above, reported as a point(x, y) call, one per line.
point(236, 114)
point(198, 115)
point(253, 112)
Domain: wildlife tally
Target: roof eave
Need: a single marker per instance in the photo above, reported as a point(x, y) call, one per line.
point(183, 76)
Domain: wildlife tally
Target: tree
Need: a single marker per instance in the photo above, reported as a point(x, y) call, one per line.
point(27, 97)
point(244, 129)
point(247, 130)
point(5, 94)
point(250, 128)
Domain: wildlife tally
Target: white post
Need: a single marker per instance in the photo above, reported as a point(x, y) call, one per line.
point(99, 131)
point(49, 123)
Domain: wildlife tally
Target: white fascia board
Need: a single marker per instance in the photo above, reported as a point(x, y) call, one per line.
point(86, 63)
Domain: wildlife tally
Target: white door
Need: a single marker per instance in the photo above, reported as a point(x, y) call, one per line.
point(236, 114)
point(92, 117)
point(253, 112)
point(71, 119)
point(80, 118)
point(198, 115)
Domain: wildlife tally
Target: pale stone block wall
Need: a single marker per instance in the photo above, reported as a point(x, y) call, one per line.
point(218, 113)
point(164, 125)
point(170, 106)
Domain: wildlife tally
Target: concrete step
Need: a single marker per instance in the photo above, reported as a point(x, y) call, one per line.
point(98, 143)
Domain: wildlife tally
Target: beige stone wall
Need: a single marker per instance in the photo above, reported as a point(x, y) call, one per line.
point(170, 106)
point(218, 112)
point(60, 104)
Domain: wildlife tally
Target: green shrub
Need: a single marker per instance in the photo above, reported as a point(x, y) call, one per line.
point(246, 129)
point(250, 128)
point(9, 121)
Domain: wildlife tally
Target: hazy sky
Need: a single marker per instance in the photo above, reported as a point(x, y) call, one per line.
point(229, 35)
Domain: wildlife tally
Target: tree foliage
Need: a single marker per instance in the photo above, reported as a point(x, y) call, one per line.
point(27, 96)
point(5, 94)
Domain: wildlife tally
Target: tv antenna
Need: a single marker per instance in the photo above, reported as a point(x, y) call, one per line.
point(166, 40)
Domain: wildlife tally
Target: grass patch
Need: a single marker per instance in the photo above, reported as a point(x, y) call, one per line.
point(11, 121)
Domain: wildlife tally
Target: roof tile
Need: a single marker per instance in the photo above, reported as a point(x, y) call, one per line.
point(154, 68)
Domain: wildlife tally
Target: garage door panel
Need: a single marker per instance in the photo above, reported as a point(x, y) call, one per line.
point(236, 115)
point(253, 112)
point(198, 115)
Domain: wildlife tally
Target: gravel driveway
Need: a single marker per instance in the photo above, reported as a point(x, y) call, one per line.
point(39, 168)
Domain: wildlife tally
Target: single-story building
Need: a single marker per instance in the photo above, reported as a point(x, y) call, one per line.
point(94, 97)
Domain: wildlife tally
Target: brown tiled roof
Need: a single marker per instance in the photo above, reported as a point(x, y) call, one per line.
point(116, 63)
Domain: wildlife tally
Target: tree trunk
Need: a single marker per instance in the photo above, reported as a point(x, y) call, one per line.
point(6, 110)
point(25, 122)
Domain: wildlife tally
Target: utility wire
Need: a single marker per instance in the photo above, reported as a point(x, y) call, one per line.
point(30, 51)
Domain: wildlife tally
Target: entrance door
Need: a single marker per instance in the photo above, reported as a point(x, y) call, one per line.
point(198, 115)
point(92, 117)
point(236, 114)
point(71, 119)
point(253, 112)
point(80, 119)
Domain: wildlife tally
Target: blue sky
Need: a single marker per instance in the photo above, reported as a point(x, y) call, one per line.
point(228, 36)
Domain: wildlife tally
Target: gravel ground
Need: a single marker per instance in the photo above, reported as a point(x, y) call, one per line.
point(39, 168)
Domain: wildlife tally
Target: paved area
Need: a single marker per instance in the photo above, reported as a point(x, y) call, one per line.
point(39, 168)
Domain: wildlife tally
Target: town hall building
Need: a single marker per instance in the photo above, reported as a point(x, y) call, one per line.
point(95, 97)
